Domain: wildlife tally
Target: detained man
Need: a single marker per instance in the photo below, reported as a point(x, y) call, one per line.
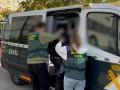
point(74, 63)
point(38, 57)
point(56, 60)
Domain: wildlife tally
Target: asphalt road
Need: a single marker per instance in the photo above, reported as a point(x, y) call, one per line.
point(6, 83)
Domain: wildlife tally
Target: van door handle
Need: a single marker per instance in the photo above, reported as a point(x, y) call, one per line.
point(107, 59)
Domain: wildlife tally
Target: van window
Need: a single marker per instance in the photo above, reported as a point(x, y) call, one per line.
point(102, 31)
point(16, 27)
point(6, 35)
point(119, 36)
point(28, 27)
point(21, 26)
point(6, 31)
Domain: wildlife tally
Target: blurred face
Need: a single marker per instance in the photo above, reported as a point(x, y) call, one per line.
point(75, 40)
point(62, 30)
point(42, 29)
point(71, 40)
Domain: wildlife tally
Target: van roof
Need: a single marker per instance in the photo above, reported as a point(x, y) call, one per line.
point(112, 5)
point(43, 12)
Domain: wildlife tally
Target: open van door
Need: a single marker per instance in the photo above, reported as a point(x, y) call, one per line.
point(16, 48)
point(66, 18)
point(103, 69)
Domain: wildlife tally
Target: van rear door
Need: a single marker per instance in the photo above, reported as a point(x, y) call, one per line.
point(23, 49)
point(16, 48)
point(103, 70)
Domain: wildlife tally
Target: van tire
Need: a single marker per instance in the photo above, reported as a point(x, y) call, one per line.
point(17, 81)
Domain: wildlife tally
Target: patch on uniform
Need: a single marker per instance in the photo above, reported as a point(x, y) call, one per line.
point(76, 55)
point(32, 37)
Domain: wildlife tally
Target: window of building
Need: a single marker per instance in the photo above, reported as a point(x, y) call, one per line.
point(102, 31)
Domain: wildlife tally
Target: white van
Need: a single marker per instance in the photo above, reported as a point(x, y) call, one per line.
point(99, 29)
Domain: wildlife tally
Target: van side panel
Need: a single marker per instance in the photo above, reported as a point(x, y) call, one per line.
point(100, 74)
point(12, 59)
point(15, 46)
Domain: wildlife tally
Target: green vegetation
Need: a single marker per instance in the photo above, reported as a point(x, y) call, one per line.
point(4, 13)
point(41, 4)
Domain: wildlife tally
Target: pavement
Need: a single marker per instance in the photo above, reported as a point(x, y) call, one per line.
point(6, 83)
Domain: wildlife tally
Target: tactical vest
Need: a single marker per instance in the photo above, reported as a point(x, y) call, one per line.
point(75, 65)
point(35, 48)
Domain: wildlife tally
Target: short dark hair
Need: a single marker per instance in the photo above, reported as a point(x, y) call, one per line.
point(60, 27)
point(39, 25)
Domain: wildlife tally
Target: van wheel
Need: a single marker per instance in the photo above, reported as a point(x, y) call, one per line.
point(17, 81)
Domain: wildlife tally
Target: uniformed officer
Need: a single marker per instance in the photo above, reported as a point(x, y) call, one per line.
point(38, 56)
point(74, 64)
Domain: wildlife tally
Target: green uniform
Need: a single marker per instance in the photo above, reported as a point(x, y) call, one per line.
point(37, 47)
point(75, 65)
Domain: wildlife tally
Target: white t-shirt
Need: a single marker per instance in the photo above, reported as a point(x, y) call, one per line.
point(62, 50)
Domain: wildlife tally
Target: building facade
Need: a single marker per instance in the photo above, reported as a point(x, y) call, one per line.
point(9, 4)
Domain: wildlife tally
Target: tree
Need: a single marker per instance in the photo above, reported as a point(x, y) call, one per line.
point(4, 13)
point(41, 4)
point(1, 16)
